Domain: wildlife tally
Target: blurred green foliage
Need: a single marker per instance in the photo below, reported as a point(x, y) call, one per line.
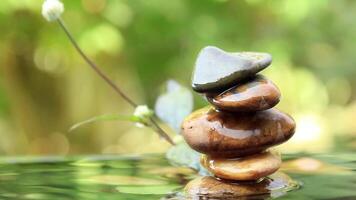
point(45, 87)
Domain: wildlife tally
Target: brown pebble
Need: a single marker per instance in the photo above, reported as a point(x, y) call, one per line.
point(208, 187)
point(255, 94)
point(246, 168)
point(227, 134)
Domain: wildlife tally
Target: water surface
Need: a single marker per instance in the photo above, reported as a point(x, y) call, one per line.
point(324, 176)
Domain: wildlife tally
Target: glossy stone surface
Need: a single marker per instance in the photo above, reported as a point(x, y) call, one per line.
point(207, 187)
point(245, 168)
point(216, 69)
point(228, 134)
point(256, 94)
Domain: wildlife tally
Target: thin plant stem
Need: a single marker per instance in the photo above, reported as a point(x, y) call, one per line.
point(153, 124)
point(94, 66)
point(160, 131)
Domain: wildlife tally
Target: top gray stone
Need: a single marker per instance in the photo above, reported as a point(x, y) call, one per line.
point(216, 70)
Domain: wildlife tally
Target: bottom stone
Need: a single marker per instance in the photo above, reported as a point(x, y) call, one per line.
point(245, 168)
point(208, 187)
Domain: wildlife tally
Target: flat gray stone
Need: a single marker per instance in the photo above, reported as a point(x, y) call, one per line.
point(217, 70)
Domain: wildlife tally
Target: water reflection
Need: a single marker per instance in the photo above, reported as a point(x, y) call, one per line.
point(153, 177)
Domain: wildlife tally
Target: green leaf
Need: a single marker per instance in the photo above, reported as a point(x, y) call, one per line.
point(174, 105)
point(108, 117)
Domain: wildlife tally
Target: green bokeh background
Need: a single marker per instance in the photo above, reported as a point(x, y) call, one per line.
point(45, 87)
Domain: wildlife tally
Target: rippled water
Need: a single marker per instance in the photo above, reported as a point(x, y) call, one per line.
point(153, 177)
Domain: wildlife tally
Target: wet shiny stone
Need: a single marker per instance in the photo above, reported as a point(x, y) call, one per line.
point(228, 134)
point(245, 168)
point(256, 94)
point(216, 70)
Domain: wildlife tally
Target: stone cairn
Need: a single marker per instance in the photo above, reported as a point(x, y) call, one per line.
point(235, 133)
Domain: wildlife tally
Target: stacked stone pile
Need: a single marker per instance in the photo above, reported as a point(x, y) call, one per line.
point(236, 132)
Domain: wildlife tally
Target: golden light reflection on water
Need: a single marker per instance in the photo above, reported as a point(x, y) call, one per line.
point(308, 165)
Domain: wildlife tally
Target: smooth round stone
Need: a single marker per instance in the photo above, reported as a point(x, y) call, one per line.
point(229, 134)
point(208, 187)
point(245, 168)
point(217, 70)
point(256, 94)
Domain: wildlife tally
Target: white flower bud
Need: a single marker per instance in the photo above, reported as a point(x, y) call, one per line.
point(142, 111)
point(52, 9)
